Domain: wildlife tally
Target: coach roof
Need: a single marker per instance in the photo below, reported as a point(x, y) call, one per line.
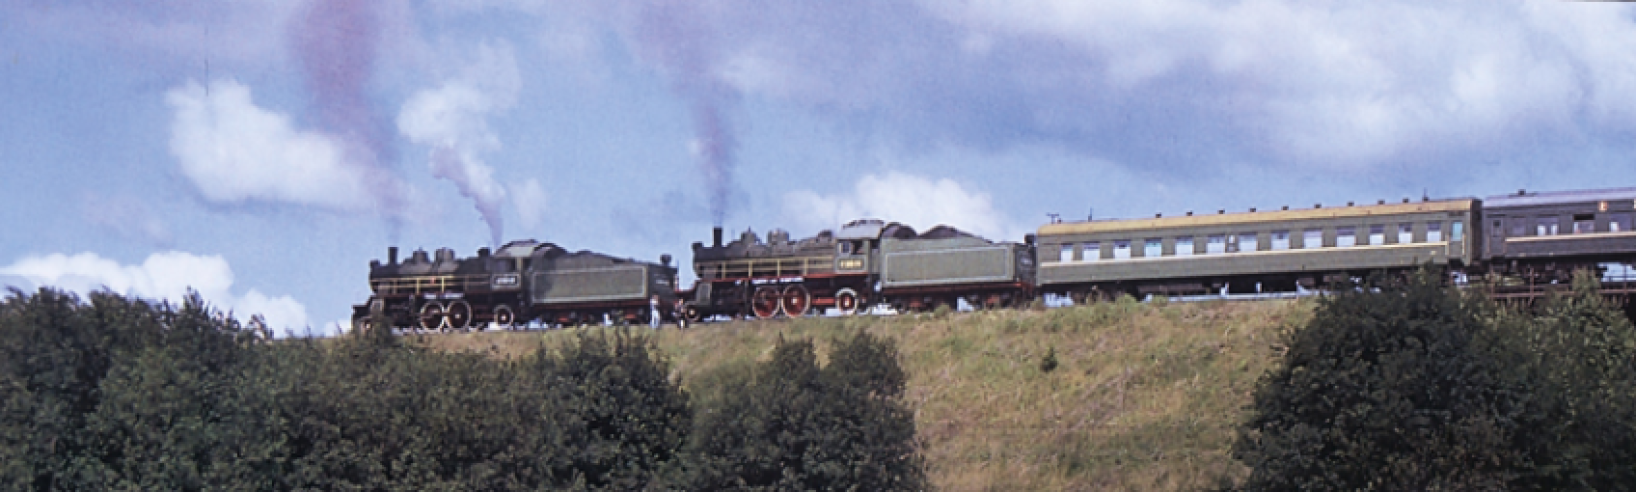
point(1237, 218)
point(1524, 199)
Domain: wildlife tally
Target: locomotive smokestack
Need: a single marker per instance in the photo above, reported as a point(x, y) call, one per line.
point(715, 237)
point(391, 255)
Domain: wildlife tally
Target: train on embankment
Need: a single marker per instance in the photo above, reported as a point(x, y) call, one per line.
point(1528, 237)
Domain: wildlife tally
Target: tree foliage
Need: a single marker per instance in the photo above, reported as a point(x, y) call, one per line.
point(1410, 385)
point(110, 393)
point(796, 426)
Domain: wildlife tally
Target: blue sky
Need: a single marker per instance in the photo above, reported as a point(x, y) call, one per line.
point(263, 151)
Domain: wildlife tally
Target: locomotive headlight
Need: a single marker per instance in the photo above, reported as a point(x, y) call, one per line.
point(509, 280)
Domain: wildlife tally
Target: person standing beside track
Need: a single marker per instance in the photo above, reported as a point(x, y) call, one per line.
point(653, 312)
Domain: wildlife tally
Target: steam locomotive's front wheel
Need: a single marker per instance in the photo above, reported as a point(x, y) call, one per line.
point(503, 317)
point(847, 301)
point(765, 302)
point(431, 316)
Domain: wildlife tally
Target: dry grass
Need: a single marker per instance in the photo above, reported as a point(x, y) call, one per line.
point(1145, 396)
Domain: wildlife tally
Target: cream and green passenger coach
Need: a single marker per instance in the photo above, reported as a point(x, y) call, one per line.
point(1254, 251)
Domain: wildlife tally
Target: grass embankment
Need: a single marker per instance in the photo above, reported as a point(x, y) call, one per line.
point(1144, 397)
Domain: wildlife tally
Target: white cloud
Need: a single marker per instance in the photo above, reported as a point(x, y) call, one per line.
point(920, 202)
point(234, 152)
point(1341, 85)
point(1350, 83)
point(167, 276)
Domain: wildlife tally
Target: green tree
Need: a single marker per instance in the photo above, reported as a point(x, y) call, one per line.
point(166, 419)
point(614, 405)
point(1385, 389)
point(794, 426)
point(1576, 357)
point(56, 352)
point(869, 442)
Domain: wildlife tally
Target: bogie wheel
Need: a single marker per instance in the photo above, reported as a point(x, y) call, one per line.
point(847, 301)
point(796, 301)
point(504, 319)
point(431, 316)
point(459, 315)
point(765, 302)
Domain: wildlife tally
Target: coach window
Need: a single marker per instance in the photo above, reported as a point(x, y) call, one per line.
point(845, 248)
point(1545, 227)
point(1153, 247)
point(1248, 241)
point(1377, 235)
point(1184, 246)
point(1434, 232)
point(1346, 237)
point(1584, 223)
point(1091, 251)
point(1217, 244)
point(1405, 233)
point(1280, 240)
point(1457, 231)
point(1121, 250)
point(1067, 253)
point(1618, 222)
point(1312, 239)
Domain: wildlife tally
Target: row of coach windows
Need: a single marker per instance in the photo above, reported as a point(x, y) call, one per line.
point(1279, 240)
point(1582, 224)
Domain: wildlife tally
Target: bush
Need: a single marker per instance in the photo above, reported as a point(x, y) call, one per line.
point(1576, 357)
point(1420, 387)
point(121, 394)
point(798, 427)
point(1384, 390)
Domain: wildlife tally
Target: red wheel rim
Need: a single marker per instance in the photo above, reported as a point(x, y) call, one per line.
point(765, 302)
point(796, 301)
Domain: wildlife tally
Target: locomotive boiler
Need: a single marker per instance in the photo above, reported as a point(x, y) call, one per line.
point(520, 283)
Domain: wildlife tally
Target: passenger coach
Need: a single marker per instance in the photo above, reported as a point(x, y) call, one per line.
point(1254, 251)
point(1545, 236)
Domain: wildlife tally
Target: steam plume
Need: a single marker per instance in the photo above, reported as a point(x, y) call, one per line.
point(475, 181)
point(678, 38)
point(715, 149)
point(335, 41)
point(451, 119)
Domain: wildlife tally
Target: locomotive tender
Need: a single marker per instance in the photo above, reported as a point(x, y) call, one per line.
point(522, 282)
point(1539, 237)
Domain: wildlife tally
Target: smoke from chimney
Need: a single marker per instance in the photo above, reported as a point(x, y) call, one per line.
point(676, 35)
point(335, 42)
point(451, 119)
point(475, 182)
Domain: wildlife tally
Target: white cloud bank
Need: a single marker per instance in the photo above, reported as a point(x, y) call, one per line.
point(167, 276)
point(918, 201)
point(234, 152)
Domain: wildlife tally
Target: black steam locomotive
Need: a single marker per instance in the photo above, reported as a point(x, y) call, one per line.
point(522, 282)
point(867, 262)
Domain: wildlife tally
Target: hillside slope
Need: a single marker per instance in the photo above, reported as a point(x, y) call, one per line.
point(1144, 396)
